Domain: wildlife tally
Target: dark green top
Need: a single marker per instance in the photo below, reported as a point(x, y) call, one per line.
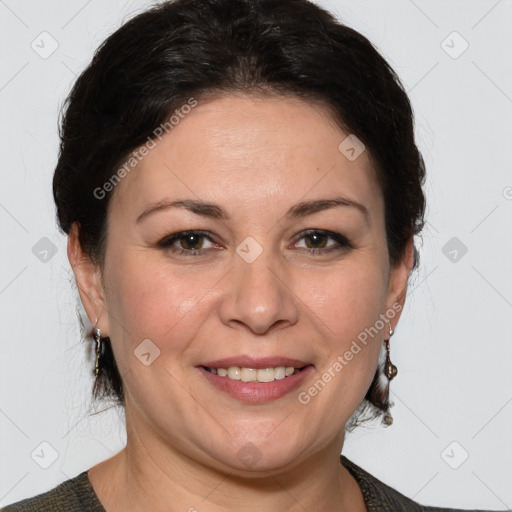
point(77, 494)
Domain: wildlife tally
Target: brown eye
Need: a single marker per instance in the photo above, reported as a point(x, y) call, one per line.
point(191, 242)
point(187, 243)
point(317, 240)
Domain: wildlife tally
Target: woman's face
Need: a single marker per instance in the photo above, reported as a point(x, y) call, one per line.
point(267, 286)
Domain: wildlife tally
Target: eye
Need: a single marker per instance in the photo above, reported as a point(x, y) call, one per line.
point(316, 241)
point(189, 242)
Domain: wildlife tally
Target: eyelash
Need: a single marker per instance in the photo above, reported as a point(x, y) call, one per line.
point(166, 243)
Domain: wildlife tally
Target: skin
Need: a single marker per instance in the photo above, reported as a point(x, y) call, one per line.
point(255, 157)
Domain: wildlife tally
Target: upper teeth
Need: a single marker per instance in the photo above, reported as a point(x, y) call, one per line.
point(254, 374)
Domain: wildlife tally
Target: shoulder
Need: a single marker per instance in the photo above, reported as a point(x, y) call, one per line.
point(75, 494)
point(380, 497)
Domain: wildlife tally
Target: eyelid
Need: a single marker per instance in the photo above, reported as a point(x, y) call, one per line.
point(168, 240)
point(342, 242)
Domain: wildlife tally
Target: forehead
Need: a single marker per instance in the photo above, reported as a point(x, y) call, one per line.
point(246, 148)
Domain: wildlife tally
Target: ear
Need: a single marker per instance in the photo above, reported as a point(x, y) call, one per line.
point(89, 282)
point(397, 287)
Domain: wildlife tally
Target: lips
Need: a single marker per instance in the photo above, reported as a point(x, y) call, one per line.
point(256, 379)
point(257, 392)
point(257, 363)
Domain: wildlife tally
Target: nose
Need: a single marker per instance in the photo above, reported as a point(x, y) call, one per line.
point(259, 295)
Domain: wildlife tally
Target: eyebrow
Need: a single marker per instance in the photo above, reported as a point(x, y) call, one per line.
point(214, 211)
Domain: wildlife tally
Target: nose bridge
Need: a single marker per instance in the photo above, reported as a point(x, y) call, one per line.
point(258, 296)
point(258, 274)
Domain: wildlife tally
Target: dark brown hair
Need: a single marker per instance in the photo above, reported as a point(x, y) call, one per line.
point(180, 49)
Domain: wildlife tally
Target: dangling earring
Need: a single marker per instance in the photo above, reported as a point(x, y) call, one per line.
point(390, 370)
point(99, 346)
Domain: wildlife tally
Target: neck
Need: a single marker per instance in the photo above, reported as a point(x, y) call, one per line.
point(150, 474)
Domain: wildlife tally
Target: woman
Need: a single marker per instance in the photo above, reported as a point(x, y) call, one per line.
point(240, 187)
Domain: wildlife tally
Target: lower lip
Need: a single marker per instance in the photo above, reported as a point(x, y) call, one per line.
point(257, 392)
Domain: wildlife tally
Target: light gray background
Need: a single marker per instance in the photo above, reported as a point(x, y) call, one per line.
point(453, 344)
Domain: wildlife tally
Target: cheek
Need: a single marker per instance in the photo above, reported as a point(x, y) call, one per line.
point(346, 300)
point(347, 304)
point(151, 299)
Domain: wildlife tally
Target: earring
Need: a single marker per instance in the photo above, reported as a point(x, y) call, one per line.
point(390, 370)
point(99, 346)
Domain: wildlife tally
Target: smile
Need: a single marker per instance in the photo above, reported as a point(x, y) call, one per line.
point(244, 384)
point(255, 374)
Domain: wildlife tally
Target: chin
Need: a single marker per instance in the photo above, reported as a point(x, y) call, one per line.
point(255, 457)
